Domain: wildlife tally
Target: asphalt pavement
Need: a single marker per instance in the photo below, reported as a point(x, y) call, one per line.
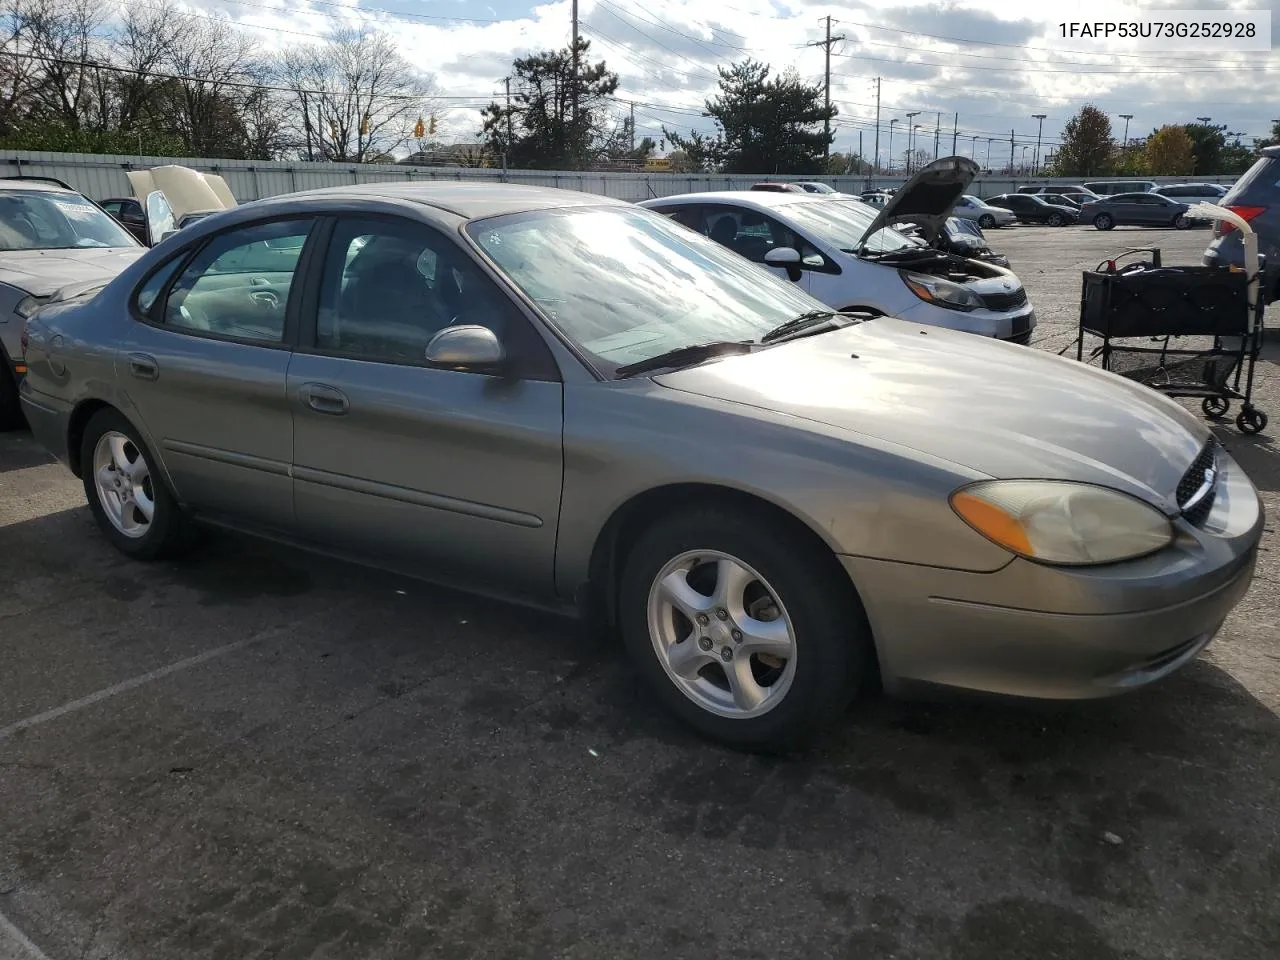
point(256, 753)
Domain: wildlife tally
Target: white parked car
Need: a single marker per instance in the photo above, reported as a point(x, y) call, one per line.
point(983, 214)
point(847, 254)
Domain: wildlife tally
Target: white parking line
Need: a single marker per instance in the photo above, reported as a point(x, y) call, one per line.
point(26, 949)
point(129, 684)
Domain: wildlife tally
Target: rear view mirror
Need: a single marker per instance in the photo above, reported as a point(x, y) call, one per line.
point(466, 345)
point(782, 257)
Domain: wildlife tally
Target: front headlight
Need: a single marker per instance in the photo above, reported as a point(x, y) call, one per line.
point(28, 305)
point(940, 292)
point(1060, 522)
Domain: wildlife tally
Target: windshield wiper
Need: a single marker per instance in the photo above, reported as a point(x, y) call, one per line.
point(806, 321)
point(685, 356)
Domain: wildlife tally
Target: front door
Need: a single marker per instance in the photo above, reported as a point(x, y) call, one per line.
point(753, 234)
point(453, 472)
point(205, 371)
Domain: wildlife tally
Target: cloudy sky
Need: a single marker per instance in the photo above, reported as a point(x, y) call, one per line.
point(995, 63)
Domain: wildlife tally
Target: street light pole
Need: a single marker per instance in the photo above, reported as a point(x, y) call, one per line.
point(990, 140)
point(1040, 117)
point(1025, 148)
point(974, 151)
point(911, 137)
point(891, 123)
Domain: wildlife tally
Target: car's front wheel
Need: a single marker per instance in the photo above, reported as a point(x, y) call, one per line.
point(1055, 220)
point(986, 221)
point(1182, 222)
point(743, 627)
point(126, 492)
point(1103, 221)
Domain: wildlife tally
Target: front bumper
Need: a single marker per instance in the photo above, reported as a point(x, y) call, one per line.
point(1031, 630)
point(1015, 325)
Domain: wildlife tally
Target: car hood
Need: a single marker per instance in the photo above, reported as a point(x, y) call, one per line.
point(42, 273)
point(1000, 409)
point(187, 191)
point(928, 198)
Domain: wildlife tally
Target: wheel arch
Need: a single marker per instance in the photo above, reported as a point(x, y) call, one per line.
point(630, 518)
point(81, 414)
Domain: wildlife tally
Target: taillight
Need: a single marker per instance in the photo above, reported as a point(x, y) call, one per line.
point(1246, 213)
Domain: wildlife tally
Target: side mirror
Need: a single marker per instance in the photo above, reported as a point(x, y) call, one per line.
point(166, 235)
point(782, 257)
point(466, 345)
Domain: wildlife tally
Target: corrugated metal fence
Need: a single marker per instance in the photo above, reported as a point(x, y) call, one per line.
point(99, 177)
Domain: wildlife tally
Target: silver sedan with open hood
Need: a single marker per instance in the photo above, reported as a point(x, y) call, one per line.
point(576, 403)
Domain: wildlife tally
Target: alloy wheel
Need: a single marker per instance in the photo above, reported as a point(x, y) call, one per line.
point(124, 485)
point(722, 634)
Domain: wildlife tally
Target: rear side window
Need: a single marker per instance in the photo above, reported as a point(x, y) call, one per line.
point(1262, 177)
point(154, 285)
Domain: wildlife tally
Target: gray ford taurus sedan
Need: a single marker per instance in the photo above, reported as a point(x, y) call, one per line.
point(576, 403)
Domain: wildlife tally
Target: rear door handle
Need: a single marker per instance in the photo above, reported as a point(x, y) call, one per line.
point(143, 366)
point(323, 398)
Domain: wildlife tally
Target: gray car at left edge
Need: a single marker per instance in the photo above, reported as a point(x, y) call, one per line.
point(575, 403)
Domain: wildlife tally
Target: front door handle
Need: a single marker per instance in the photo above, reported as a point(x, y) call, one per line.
point(323, 398)
point(143, 366)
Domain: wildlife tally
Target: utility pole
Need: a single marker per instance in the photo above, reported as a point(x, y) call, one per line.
point(877, 163)
point(937, 132)
point(1036, 162)
point(862, 157)
point(826, 86)
point(990, 140)
point(891, 123)
point(507, 80)
point(633, 126)
point(955, 134)
point(573, 81)
point(1012, 134)
point(973, 151)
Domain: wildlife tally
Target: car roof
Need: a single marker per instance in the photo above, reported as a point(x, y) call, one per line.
point(470, 200)
point(765, 199)
point(33, 183)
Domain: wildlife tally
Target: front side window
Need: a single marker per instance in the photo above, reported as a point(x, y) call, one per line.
point(625, 284)
point(752, 234)
point(238, 285)
point(56, 220)
point(842, 223)
point(390, 286)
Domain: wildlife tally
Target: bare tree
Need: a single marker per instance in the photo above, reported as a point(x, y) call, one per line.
point(218, 71)
point(63, 38)
point(143, 46)
point(356, 98)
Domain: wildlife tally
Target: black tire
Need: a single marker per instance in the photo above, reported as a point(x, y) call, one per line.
point(832, 638)
point(11, 417)
point(1251, 421)
point(170, 530)
point(1182, 222)
point(1215, 408)
point(1055, 220)
point(986, 221)
point(1104, 221)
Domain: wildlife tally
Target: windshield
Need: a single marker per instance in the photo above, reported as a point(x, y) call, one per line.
point(624, 284)
point(842, 223)
point(49, 220)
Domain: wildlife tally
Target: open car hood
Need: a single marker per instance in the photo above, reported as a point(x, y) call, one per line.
point(928, 198)
point(186, 190)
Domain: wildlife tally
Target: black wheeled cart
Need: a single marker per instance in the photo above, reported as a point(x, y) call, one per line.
point(1185, 331)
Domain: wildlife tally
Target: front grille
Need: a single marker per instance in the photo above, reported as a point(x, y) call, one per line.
point(1005, 301)
point(1203, 467)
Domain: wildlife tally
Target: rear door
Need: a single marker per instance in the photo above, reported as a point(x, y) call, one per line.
point(453, 472)
point(205, 369)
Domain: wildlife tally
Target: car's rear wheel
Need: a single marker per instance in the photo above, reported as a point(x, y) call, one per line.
point(986, 221)
point(743, 627)
point(1055, 220)
point(126, 492)
point(1103, 221)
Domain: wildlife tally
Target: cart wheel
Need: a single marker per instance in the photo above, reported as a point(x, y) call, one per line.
point(1251, 421)
point(1215, 407)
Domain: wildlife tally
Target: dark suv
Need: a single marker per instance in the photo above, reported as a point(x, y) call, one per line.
point(1031, 209)
point(1256, 198)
